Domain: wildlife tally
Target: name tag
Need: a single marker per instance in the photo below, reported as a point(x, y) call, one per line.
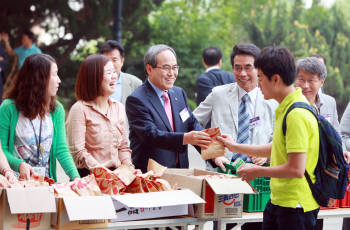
point(327, 116)
point(184, 114)
point(40, 171)
point(254, 122)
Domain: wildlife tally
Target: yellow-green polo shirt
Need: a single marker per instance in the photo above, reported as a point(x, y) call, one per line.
point(302, 136)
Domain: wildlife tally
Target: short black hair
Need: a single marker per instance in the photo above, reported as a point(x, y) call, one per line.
point(277, 60)
point(247, 48)
point(111, 45)
point(212, 55)
point(320, 56)
point(29, 34)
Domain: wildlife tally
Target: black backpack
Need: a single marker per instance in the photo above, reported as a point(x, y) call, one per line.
point(331, 170)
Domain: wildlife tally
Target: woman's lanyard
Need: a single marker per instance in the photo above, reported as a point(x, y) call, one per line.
point(39, 146)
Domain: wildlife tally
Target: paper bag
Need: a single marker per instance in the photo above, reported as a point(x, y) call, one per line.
point(216, 148)
point(157, 168)
point(86, 186)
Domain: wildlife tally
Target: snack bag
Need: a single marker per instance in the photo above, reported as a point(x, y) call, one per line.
point(162, 185)
point(141, 183)
point(86, 186)
point(237, 164)
point(63, 189)
point(125, 174)
point(216, 148)
point(233, 166)
point(157, 168)
point(147, 182)
point(108, 182)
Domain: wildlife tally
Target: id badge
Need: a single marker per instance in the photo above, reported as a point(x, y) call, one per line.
point(254, 122)
point(184, 114)
point(40, 171)
point(328, 117)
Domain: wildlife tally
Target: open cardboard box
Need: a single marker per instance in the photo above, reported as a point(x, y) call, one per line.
point(18, 206)
point(154, 204)
point(83, 212)
point(223, 196)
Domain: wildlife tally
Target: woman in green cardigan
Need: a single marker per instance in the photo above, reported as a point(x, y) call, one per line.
point(32, 121)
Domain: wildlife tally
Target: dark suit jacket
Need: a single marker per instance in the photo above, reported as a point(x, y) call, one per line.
point(208, 80)
point(150, 131)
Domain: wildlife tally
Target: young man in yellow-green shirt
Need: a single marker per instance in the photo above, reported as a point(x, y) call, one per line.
point(292, 205)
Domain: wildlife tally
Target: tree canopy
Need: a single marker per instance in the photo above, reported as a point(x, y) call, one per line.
point(78, 26)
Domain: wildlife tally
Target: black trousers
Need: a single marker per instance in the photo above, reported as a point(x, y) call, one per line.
point(282, 218)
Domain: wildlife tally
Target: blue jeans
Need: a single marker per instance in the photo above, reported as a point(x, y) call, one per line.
point(281, 218)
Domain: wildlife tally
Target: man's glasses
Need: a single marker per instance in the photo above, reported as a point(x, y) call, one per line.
point(247, 68)
point(303, 81)
point(168, 68)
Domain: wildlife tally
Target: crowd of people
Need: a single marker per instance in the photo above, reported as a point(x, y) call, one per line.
point(118, 120)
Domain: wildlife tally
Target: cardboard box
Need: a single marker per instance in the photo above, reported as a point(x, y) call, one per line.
point(154, 205)
point(83, 212)
point(21, 205)
point(223, 197)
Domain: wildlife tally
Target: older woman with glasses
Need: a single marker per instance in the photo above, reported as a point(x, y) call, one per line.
point(96, 124)
point(311, 74)
point(345, 129)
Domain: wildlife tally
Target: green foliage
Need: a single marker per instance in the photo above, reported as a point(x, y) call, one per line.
point(188, 26)
point(305, 32)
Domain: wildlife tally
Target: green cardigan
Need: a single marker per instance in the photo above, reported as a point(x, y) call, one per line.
point(59, 149)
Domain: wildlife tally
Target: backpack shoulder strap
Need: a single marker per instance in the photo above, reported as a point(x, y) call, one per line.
point(284, 129)
point(296, 105)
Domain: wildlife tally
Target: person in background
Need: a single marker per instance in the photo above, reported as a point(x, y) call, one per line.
point(96, 123)
point(3, 62)
point(32, 130)
point(345, 134)
point(126, 83)
point(25, 50)
point(311, 80)
point(292, 205)
point(161, 123)
point(345, 128)
point(321, 58)
point(311, 74)
point(223, 104)
point(213, 76)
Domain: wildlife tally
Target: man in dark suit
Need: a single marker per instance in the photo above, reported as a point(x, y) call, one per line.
point(161, 123)
point(213, 76)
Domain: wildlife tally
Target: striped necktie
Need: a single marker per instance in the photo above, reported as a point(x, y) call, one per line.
point(243, 127)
